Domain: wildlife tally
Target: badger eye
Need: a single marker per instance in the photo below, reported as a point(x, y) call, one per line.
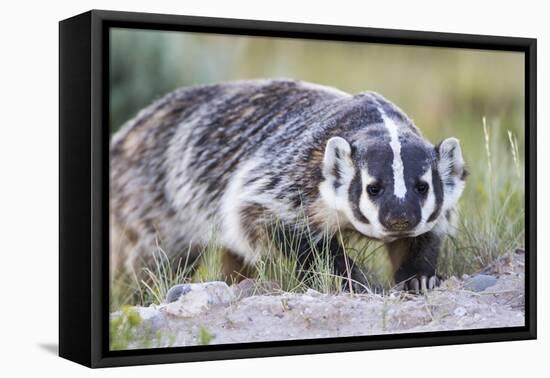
point(374, 189)
point(421, 188)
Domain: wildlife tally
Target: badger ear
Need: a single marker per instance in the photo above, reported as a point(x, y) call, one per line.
point(337, 162)
point(451, 170)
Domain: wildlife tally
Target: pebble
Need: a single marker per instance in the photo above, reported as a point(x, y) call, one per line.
point(177, 291)
point(479, 282)
point(460, 311)
point(193, 299)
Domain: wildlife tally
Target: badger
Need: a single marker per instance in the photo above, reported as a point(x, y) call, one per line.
point(224, 160)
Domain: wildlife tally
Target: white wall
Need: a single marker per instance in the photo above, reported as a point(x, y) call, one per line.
point(28, 185)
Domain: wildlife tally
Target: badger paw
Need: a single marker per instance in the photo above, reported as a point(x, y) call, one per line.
point(419, 284)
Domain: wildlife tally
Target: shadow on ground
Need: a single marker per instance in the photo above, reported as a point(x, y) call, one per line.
point(50, 348)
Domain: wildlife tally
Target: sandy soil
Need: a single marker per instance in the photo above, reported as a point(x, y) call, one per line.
point(235, 317)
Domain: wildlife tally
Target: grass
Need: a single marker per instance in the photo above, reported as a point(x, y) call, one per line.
point(491, 224)
point(492, 208)
point(156, 279)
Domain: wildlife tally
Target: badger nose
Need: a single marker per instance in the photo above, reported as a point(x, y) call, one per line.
point(399, 217)
point(399, 224)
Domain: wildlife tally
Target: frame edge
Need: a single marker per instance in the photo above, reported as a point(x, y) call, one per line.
point(98, 18)
point(75, 292)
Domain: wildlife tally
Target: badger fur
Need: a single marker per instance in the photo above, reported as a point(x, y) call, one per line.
point(223, 161)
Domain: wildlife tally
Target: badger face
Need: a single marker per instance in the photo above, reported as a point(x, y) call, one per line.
point(392, 183)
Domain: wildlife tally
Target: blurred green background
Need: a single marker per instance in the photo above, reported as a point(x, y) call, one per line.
point(446, 91)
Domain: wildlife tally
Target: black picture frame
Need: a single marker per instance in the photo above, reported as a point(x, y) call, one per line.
point(83, 182)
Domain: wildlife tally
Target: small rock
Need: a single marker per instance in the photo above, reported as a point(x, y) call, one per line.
point(460, 311)
point(479, 282)
point(177, 291)
point(196, 298)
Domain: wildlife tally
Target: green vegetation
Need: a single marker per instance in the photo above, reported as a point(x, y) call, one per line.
point(474, 95)
point(492, 208)
point(128, 331)
point(122, 329)
point(205, 337)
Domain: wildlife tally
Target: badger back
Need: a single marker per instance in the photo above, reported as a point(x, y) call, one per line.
point(191, 143)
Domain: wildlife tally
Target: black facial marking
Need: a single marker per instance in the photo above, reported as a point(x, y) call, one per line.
point(438, 193)
point(355, 192)
point(337, 175)
point(379, 159)
point(372, 115)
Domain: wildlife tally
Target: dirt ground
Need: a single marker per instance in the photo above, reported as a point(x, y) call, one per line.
point(233, 315)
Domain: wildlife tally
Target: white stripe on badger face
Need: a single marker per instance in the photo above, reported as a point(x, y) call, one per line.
point(428, 207)
point(399, 188)
point(429, 203)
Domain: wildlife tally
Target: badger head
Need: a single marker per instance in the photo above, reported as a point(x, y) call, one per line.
point(389, 182)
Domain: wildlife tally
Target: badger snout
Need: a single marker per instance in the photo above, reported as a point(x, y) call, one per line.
point(399, 219)
point(400, 224)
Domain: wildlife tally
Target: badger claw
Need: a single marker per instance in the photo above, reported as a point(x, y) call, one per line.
point(433, 282)
point(413, 285)
point(419, 284)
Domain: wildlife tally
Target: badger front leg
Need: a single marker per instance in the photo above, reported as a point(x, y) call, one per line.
point(414, 262)
point(354, 280)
